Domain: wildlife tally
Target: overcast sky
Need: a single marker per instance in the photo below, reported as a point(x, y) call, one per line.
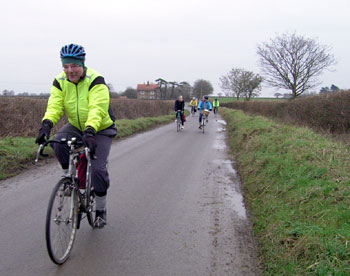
point(135, 41)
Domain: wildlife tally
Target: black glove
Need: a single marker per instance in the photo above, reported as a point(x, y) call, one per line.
point(90, 140)
point(44, 131)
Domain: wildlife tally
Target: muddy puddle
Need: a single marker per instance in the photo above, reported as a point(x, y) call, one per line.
point(234, 247)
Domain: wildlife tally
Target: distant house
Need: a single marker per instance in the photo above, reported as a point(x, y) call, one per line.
point(149, 91)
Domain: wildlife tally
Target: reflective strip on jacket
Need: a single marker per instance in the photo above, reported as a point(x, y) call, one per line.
point(85, 103)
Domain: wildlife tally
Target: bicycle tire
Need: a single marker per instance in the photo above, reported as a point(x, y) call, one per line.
point(178, 123)
point(90, 201)
point(203, 123)
point(65, 195)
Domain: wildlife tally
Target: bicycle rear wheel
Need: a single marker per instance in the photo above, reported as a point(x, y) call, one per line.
point(203, 123)
point(61, 221)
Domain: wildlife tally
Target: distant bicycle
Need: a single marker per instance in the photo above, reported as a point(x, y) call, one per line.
point(178, 120)
point(205, 114)
point(69, 201)
point(216, 110)
point(193, 110)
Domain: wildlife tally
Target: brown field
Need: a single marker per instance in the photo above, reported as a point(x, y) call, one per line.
point(330, 112)
point(21, 116)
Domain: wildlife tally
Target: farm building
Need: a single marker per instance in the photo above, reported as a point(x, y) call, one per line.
point(148, 91)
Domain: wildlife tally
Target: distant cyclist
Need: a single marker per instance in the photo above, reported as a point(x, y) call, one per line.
point(82, 94)
point(216, 105)
point(193, 105)
point(180, 107)
point(203, 104)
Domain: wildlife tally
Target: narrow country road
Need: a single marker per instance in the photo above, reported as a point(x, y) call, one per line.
point(174, 208)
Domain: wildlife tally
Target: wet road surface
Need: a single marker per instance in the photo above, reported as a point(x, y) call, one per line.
point(174, 208)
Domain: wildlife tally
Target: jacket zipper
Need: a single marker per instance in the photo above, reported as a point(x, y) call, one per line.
point(76, 89)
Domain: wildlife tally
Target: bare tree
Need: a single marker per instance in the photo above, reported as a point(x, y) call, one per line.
point(293, 62)
point(230, 83)
point(160, 83)
point(240, 82)
point(185, 90)
point(111, 87)
point(8, 93)
point(201, 88)
point(130, 93)
point(250, 84)
point(173, 85)
point(277, 95)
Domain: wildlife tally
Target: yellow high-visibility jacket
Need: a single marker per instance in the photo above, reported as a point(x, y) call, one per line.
point(86, 103)
point(193, 103)
point(216, 103)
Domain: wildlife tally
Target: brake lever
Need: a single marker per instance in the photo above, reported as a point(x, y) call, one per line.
point(38, 153)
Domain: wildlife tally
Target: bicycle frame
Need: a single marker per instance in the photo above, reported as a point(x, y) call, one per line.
point(204, 119)
point(178, 120)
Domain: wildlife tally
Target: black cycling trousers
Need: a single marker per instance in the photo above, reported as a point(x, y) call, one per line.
point(99, 172)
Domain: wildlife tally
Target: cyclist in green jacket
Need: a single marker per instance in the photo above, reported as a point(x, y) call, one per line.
point(83, 95)
point(216, 105)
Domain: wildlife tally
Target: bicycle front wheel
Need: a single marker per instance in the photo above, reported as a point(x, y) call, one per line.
point(90, 201)
point(61, 221)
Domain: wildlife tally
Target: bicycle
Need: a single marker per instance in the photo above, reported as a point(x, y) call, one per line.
point(205, 114)
point(193, 110)
point(178, 120)
point(68, 202)
point(216, 110)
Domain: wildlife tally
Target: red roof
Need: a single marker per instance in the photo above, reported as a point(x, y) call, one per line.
point(147, 87)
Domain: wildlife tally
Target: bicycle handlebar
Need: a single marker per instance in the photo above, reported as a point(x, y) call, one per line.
point(41, 148)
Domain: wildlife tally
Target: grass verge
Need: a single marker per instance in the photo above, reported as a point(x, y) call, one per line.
point(17, 153)
point(297, 190)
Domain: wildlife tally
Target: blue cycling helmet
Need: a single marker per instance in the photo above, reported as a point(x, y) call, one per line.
point(73, 51)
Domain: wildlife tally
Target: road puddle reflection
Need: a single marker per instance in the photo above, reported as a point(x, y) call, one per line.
point(222, 122)
point(231, 182)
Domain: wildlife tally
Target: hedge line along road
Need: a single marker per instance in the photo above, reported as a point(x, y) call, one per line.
point(174, 208)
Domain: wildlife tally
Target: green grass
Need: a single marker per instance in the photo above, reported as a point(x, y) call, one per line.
point(233, 99)
point(128, 127)
point(297, 188)
point(17, 153)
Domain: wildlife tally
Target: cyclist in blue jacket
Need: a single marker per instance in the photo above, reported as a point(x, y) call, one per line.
point(203, 104)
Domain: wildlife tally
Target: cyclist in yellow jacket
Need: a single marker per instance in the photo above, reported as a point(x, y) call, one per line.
point(83, 95)
point(193, 105)
point(216, 105)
